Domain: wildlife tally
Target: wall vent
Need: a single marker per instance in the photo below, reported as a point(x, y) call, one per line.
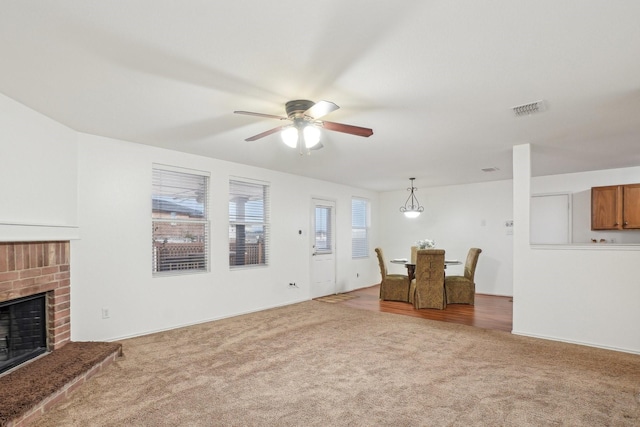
point(528, 109)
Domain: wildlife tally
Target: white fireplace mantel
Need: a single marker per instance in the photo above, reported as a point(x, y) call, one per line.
point(23, 232)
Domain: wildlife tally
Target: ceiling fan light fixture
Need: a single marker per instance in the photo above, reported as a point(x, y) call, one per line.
point(290, 136)
point(311, 136)
point(412, 208)
point(304, 132)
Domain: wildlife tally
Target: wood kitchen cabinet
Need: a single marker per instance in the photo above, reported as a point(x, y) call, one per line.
point(615, 207)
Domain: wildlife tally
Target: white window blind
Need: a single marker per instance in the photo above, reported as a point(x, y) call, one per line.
point(180, 221)
point(248, 223)
point(359, 228)
point(323, 231)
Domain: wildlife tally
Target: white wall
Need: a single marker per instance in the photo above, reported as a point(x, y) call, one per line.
point(457, 217)
point(38, 176)
point(579, 185)
point(111, 263)
point(586, 294)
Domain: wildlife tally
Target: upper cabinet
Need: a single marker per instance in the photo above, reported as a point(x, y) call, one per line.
point(631, 206)
point(615, 207)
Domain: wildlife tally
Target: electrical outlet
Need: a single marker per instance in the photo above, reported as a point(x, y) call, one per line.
point(105, 313)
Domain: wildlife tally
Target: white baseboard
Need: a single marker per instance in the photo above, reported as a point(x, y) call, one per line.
point(588, 344)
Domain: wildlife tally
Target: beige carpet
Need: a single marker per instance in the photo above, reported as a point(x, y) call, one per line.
point(314, 364)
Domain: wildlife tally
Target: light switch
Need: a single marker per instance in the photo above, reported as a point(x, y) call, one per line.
point(509, 226)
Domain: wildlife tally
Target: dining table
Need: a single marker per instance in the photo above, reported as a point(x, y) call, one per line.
point(411, 267)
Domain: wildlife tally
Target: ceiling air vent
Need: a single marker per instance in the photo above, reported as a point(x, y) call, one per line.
point(527, 109)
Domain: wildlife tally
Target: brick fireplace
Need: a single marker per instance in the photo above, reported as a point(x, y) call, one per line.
point(30, 268)
point(42, 269)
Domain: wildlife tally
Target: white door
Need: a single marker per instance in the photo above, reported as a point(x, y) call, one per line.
point(323, 250)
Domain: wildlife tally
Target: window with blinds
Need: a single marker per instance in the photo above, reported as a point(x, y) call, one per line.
point(359, 228)
point(323, 233)
point(248, 223)
point(180, 220)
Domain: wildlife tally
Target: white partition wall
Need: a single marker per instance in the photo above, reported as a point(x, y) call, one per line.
point(587, 295)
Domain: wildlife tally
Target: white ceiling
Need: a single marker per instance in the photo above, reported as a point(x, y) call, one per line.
point(436, 80)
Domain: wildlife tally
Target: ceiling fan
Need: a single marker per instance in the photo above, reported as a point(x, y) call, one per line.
point(305, 116)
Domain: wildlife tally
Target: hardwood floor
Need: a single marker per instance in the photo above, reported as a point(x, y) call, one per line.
point(489, 312)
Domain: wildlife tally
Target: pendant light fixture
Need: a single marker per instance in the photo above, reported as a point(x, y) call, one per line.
point(412, 208)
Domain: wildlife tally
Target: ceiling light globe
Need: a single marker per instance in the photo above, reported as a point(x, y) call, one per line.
point(411, 214)
point(290, 136)
point(311, 136)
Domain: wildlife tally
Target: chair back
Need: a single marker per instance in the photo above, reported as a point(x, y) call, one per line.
point(429, 261)
point(470, 264)
point(414, 254)
point(429, 292)
point(383, 267)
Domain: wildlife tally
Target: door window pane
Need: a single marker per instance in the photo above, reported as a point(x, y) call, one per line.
point(323, 232)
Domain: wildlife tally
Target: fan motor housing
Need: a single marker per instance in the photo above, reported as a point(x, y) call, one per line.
point(297, 107)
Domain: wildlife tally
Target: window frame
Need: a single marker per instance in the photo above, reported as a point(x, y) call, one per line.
point(182, 257)
point(256, 219)
point(364, 251)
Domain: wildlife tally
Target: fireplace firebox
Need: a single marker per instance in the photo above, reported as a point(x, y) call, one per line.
point(23, 330)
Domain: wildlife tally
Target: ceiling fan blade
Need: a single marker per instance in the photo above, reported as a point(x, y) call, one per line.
point(266, 133)
point(320, 109)
point(353, 130)
point(270, 116)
